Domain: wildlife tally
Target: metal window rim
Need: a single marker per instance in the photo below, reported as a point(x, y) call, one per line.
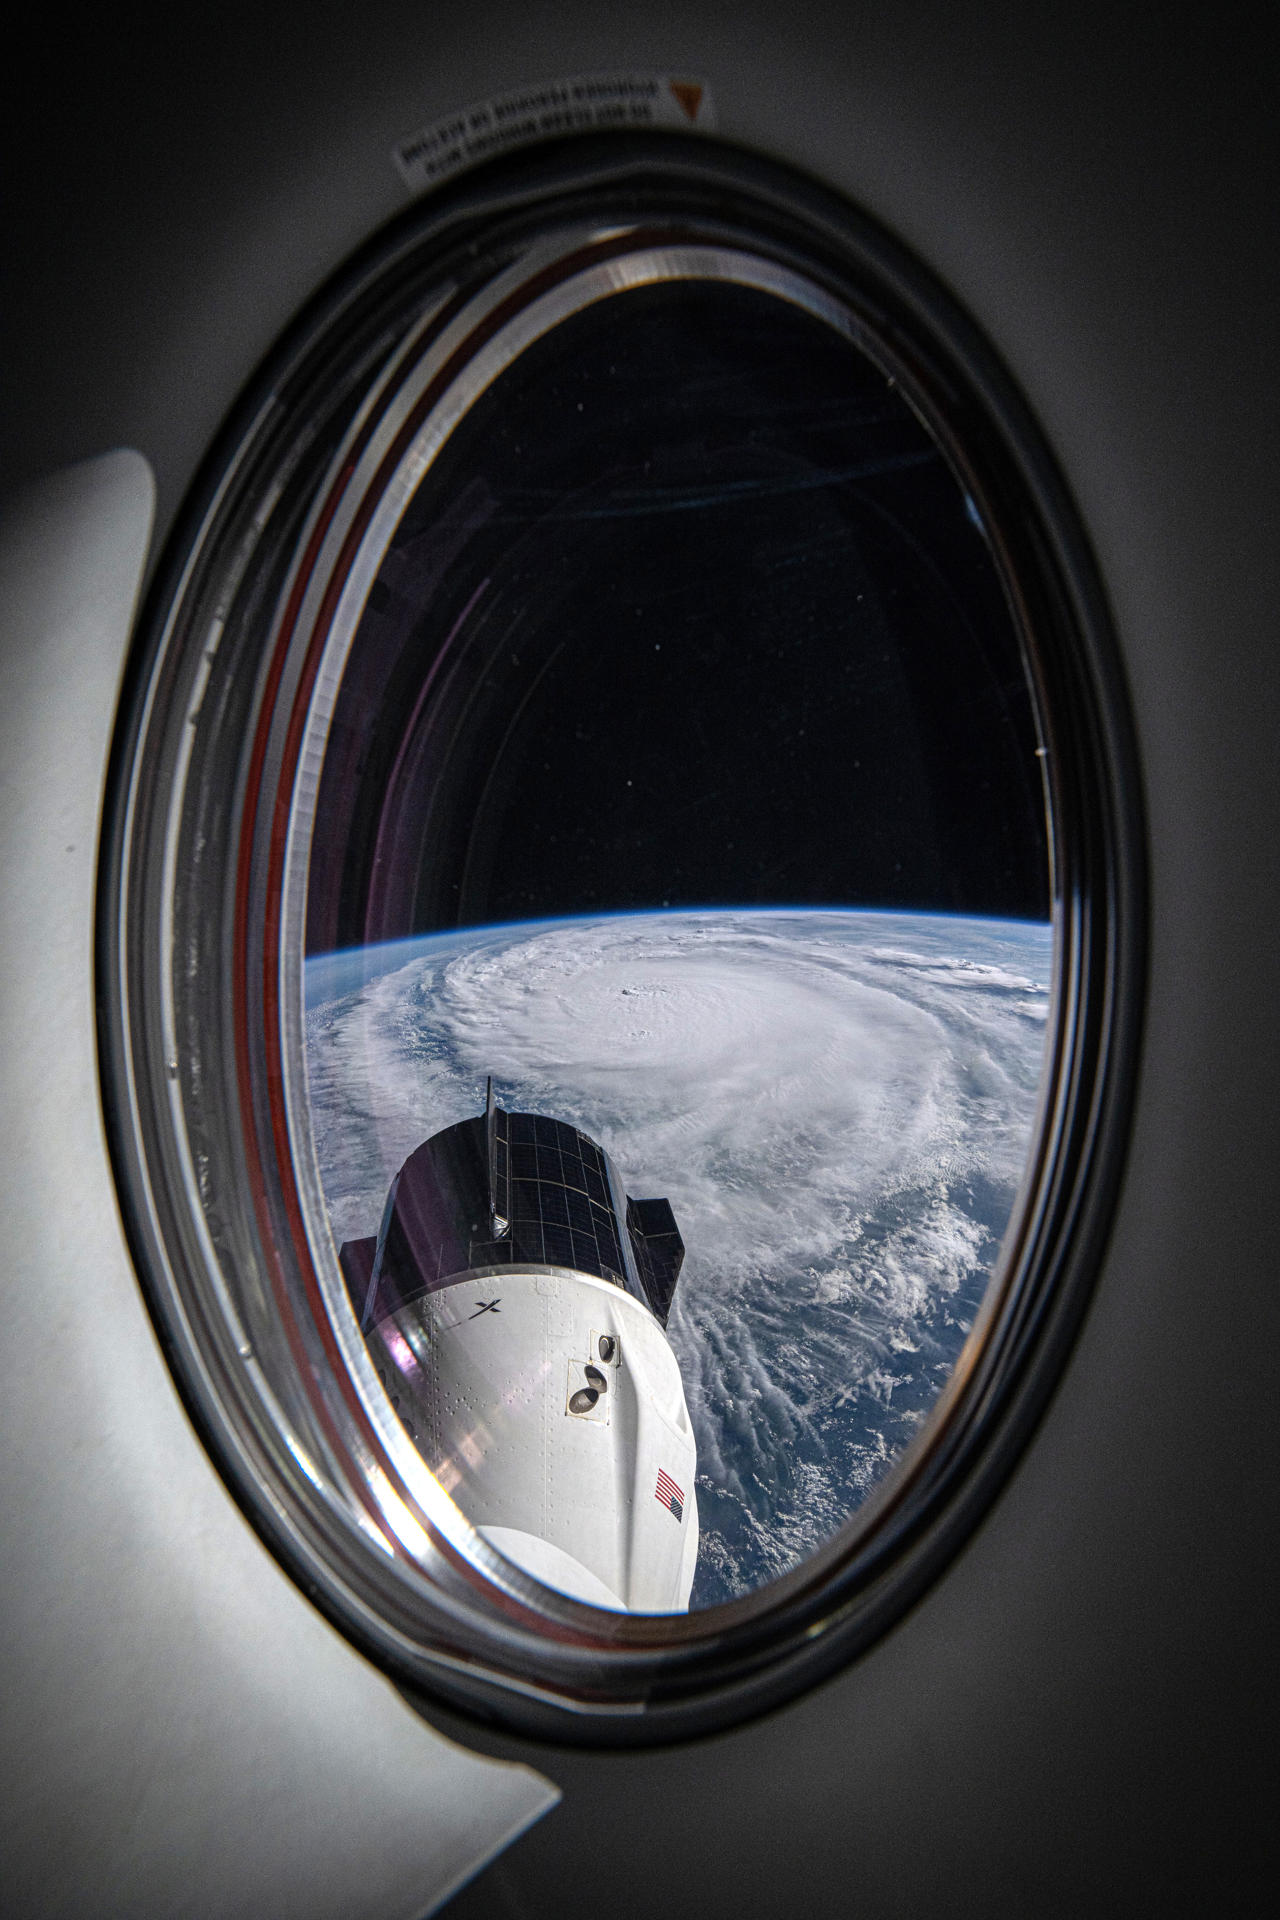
point(504, 1649)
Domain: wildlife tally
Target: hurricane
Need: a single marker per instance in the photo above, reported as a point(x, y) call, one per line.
point(839, 1105)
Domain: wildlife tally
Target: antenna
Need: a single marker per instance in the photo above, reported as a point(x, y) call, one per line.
point(495, 1161)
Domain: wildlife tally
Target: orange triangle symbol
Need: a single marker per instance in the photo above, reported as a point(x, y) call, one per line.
point(689, 94)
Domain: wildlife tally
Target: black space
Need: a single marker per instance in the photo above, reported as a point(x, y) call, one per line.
point(690, 612)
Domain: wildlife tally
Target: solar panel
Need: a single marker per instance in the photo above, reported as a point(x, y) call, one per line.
point(504, 1189)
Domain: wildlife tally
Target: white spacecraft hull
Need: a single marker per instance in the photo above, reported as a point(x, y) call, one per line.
point(551, 1407)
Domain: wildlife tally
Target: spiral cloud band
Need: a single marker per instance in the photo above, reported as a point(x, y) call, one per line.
point(839, 1106)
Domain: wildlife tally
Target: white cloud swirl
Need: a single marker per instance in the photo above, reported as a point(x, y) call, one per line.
point(838, 1105)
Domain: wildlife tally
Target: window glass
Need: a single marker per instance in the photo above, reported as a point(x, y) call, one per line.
point(682, 778)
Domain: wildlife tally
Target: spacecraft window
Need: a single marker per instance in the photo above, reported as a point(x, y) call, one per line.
point(621, 938)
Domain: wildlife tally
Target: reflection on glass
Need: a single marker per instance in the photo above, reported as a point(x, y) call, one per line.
point(678, 774)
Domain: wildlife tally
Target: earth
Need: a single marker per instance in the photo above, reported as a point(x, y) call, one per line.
point(838, 1105)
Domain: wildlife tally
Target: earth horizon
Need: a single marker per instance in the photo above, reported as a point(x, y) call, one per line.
point(839, 1105)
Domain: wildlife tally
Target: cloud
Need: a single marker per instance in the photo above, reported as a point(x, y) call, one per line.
point(838, 1105)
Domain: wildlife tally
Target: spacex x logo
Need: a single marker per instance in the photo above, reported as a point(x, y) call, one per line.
point(670, 1494)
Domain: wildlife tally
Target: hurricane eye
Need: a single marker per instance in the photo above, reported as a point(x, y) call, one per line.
point(619, 856)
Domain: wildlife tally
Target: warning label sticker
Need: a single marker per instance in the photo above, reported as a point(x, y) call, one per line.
point(588, 104)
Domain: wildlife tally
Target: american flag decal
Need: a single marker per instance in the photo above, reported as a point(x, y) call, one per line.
point(670, 1495)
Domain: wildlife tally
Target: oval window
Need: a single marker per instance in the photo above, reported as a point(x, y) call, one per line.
point(624, 895)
